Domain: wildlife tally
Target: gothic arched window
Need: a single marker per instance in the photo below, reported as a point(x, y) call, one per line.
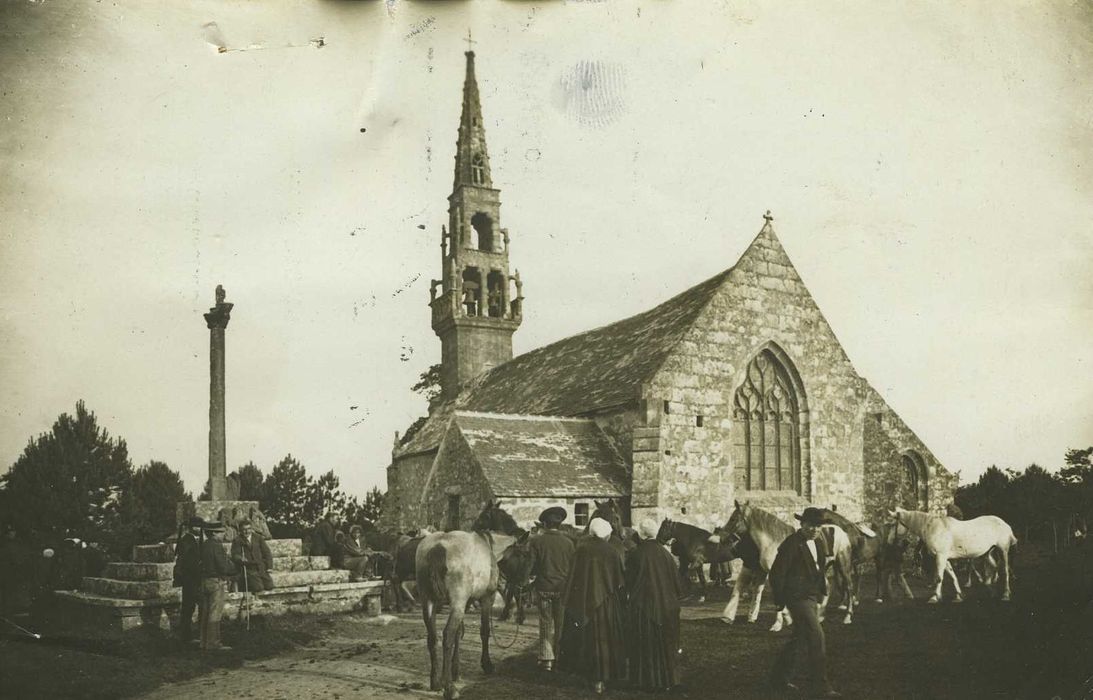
point(767, 425)
point(915, 480)
point(478, 169)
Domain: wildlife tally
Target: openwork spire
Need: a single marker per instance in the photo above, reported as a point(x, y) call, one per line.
point(472, 162)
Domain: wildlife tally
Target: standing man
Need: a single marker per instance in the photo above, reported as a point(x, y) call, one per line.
point(593, 642)
point(252, 559)
point(187, 574)
point(798, 583)
point(216, 569)
point(652, 580)
point(551, 560)
point(324, 541)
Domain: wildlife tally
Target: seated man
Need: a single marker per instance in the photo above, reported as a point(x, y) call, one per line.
point(252, 559)
point(356, 556)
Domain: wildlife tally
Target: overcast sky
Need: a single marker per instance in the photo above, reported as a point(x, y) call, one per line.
point(928, 166)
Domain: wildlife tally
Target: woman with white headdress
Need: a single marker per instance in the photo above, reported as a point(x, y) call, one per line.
point(593, 637)
point(652, 581)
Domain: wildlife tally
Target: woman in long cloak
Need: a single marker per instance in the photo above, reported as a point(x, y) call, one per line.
point(652, 581)
point(593, 637)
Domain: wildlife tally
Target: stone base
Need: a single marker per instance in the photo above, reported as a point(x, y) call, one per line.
point(110, 616)
point(208, 510)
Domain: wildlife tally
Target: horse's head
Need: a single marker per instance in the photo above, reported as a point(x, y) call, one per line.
point(494, 518)
point(609, 511)
point(737, 525)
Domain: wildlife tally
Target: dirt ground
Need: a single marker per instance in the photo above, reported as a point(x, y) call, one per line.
point(1038, 646)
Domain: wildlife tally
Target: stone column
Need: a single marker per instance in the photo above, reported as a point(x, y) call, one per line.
point(217, 320)
point(483, 292)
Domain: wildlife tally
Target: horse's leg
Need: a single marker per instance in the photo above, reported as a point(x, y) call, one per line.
point(451, 633)
point(484, 632)
point(906, 586)
point(878, 570)
point(428, 613)
point(507, 597)
point(701, 583)
point(728, 615)
point(956, 583)
point(1006, 592)
point(758, 595)
point(405, 586)
point(940, 564)
point(848, 574)
point(455, 652)
point(782, 618)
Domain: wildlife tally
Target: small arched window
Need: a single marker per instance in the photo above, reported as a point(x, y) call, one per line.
point(483, 229)
point(478, 169)
point(915, 478)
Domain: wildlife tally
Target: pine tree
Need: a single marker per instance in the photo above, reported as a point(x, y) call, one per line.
point(69, 481)
point(286, 491)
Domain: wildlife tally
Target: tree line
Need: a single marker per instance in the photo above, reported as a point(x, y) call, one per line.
point(1050, 508)
point(77, 481)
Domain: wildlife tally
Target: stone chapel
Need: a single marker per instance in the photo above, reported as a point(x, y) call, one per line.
point(736, 388)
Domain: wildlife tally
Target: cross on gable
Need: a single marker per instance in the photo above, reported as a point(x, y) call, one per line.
point(469, 40)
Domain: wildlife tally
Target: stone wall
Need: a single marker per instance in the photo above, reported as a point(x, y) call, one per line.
point(406, 479)
point(763, 304)
point(886, 440)
point(461, 478)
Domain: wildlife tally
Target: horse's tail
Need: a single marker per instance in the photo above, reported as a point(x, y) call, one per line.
point(434, 578)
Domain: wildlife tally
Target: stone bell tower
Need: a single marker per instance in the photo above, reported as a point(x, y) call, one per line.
point(478, 306)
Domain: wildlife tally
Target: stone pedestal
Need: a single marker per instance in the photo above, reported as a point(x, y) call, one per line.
point(227, 512)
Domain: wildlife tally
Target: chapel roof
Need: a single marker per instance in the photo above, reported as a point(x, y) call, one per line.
point(579, 375)
point(527, 456)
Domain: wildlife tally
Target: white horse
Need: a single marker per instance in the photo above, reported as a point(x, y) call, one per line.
point(948, 538)
point(766, 532)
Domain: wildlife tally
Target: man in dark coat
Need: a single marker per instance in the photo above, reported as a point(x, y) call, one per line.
point(652, 581)
point(324, 541)
point(356, 556)
point(252, 559)
point(593, 637)
point(551, 560)
point(187, 574)
point(798, 584)
point(216, 569)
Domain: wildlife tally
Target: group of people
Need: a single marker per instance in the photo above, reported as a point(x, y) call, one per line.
point(204, 571)
point(345, 551)
point(603, 620)
point(613, 618)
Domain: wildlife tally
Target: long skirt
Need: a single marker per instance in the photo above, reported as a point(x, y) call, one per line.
point(654, 651)
point(596, 648)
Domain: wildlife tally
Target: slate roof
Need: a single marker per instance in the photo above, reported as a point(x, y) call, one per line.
point(598, 369)
point(593, 370)
point(531, 456)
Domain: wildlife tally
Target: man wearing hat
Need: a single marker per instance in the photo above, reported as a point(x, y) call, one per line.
point(216, 569)
point(798, 583)
point(187, 573)
point(551, 560)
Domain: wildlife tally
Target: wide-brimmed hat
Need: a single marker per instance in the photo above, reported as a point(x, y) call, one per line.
point(194, 521)
point(811, 516)
point(212, 526)
point(553, 515)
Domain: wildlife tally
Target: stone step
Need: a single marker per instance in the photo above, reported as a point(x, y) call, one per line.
point(152, 571)
point(154, 553)
point(138, 571)
point(286, 579)
point(108, 615)
point(296, 563)
point(279, 548)
point(134, 590)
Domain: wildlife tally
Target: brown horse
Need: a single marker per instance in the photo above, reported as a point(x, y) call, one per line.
point(459, 567)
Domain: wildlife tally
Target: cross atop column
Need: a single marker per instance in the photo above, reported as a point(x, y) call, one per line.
point(469, 40)
point(767, 217)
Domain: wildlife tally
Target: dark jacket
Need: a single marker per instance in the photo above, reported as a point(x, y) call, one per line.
point(551, 560)
point(256, 554)
point(324, 542)
point(214, 560)
point(187, 570)
point(795, 575)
